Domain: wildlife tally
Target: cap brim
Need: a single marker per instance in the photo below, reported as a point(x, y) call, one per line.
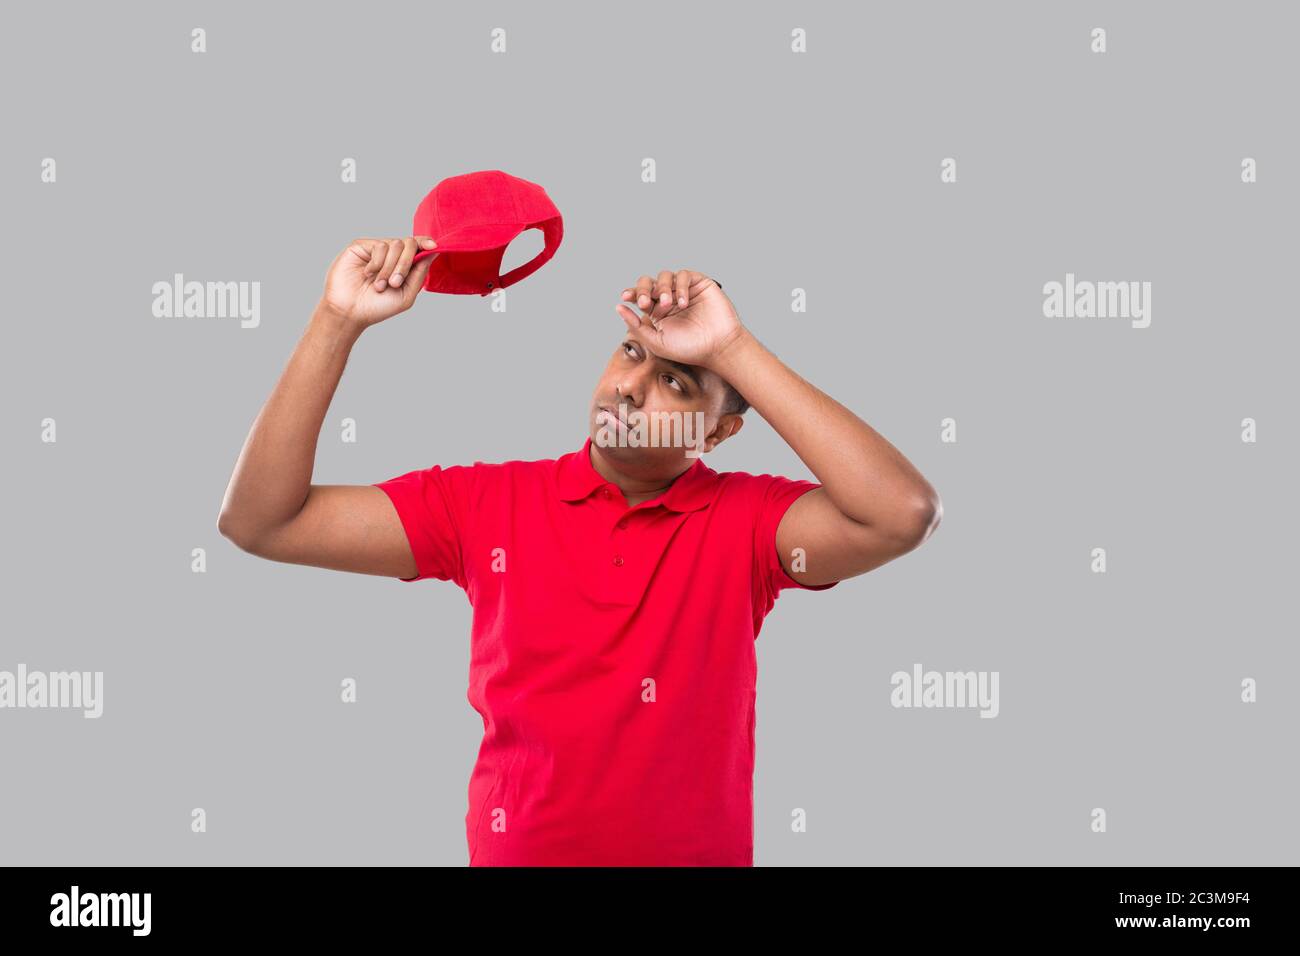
point(474, 239)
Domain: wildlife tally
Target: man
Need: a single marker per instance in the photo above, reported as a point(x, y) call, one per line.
point(617, 590)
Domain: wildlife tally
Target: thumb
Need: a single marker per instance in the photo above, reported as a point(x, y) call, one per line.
point(642, 327)
point(414, 281)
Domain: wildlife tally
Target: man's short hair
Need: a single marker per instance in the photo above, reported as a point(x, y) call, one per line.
point(733, 403)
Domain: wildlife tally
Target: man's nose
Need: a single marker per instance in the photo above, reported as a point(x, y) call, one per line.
point(631, 388)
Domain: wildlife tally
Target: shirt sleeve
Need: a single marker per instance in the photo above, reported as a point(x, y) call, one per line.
point(435, 505)
point(777, 495)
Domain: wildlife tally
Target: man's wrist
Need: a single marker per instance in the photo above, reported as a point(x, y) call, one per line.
point(733, 351)
point(328, 317)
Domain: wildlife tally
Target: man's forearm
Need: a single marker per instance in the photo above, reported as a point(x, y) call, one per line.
point(866, 477)
point(272, 476)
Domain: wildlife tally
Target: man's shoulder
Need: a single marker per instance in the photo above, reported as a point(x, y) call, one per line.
point(507, 471)
point(761, 488)
point(745, 480)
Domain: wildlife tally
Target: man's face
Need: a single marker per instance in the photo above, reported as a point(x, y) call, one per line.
point(685, 400)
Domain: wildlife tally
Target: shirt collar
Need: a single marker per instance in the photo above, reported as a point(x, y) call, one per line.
point(692, 490)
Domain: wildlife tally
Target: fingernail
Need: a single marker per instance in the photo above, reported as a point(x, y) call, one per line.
point(380, 283)
point(681, 300)
point(396, 279)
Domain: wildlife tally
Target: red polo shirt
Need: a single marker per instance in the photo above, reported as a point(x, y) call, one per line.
point(612, 654)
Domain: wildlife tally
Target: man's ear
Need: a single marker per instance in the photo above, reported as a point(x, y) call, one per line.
point(727, 426)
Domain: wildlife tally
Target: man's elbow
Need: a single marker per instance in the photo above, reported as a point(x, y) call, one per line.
point(236, 532)
point(923, 520)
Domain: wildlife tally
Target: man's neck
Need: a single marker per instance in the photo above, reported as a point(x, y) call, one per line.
point(634, 490)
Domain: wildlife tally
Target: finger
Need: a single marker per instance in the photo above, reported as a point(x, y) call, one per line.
point(664, 292)
point(640, 295)
point(666, 304)
point(631, 318)
point(649, 333)
point(644, 288)
point(378, 253)
point(375, 249)
point(392, 254)
point(403, 266)
point(396, 248)
point(359, 249)
point(639, 329)
point(682, 282)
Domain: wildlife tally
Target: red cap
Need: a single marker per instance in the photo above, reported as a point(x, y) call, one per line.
point(472, 218)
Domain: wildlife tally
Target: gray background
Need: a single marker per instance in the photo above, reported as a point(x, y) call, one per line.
point(776, 171)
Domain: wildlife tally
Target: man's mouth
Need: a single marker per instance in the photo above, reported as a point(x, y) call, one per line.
point(613, 415)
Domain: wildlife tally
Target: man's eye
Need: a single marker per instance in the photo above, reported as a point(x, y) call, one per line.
point(676, 383)
point(626, 346)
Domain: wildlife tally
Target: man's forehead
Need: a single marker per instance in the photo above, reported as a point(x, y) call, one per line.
point(701, 375)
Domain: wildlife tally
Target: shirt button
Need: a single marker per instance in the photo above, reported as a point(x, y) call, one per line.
point(604, 492)
point(618, 560)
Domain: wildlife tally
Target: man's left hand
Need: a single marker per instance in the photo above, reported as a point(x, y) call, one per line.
point(686, 316)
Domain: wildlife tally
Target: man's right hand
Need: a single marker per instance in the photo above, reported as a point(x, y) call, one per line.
point(373, 279)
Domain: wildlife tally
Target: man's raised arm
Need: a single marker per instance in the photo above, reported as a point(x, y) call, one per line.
point(873, 506)
point(271, 508)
